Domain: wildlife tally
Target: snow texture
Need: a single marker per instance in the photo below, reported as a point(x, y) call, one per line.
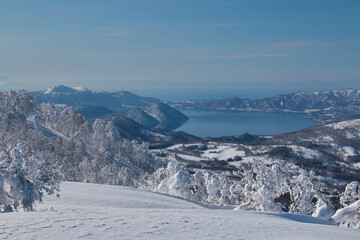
point(223, 152)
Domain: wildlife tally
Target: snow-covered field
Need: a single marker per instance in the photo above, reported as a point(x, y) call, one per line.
point(91, 211)
point(223, 152)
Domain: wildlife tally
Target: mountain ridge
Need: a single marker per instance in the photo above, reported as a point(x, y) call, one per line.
point(94, 104)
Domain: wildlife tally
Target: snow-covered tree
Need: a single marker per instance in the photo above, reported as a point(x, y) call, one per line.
point(351, 194)
point(25, 175)
point(26, 170)
point(349, 215)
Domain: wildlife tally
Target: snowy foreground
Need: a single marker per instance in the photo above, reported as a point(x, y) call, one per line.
point(92, 211)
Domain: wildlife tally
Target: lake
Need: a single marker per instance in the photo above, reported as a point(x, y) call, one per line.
point(211, 123)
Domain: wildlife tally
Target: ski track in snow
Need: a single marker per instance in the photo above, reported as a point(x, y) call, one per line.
point(92, 211)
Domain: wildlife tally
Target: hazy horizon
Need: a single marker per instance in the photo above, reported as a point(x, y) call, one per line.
point(181, 94)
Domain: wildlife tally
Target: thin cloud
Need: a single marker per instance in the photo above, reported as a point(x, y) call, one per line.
point(4, 80)
point(303, 44)
point(242, 56)
point(30, 38)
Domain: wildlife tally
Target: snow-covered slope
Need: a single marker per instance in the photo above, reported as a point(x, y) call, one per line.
point(91, 112)
point(90, 211)
point(129, 129)
point(169, 117)
point(141, 117)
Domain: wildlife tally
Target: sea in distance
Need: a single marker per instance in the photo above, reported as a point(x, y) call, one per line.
point(211, 123)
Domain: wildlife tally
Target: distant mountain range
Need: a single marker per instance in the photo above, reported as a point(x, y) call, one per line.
point(74, 96)
point(325, 106)
point(93, 104)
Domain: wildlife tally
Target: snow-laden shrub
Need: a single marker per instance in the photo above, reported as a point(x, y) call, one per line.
point(351, 194)
point(277, 187)
point(24, 177)
point(177, 182)
point(349, 216)
point(202, 186)
point(323, 210)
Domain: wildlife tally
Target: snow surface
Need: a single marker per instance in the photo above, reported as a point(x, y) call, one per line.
point(345, 124)
point(304, 152)
point(349, 151)
point(80, 89)
point(92, 211)
point(191, 158)
point(223, 152)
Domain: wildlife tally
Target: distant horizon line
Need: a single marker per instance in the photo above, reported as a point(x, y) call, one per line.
point(291, 90)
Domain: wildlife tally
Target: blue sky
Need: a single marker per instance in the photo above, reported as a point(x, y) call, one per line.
point(283, 45)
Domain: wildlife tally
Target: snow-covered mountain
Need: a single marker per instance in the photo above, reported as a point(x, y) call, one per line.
point(93, 211)
point(325, 106)
point(95, 104)
point(141, 117)
point(91, 112)
point(168, 117)
point(129, 129)
point(73, 96)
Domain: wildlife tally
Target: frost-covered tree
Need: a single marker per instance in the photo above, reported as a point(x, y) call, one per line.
point(349, 215)
point(48, 114)
point(25, 175)
point(65, 120)
point(351, 194)
point(256, 186)
point(14, 108)
point(26, 170)
point(69, 122)
point(202, 186)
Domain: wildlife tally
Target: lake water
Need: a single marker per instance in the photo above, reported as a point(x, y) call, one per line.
point(204, 123)
point(175, 95)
